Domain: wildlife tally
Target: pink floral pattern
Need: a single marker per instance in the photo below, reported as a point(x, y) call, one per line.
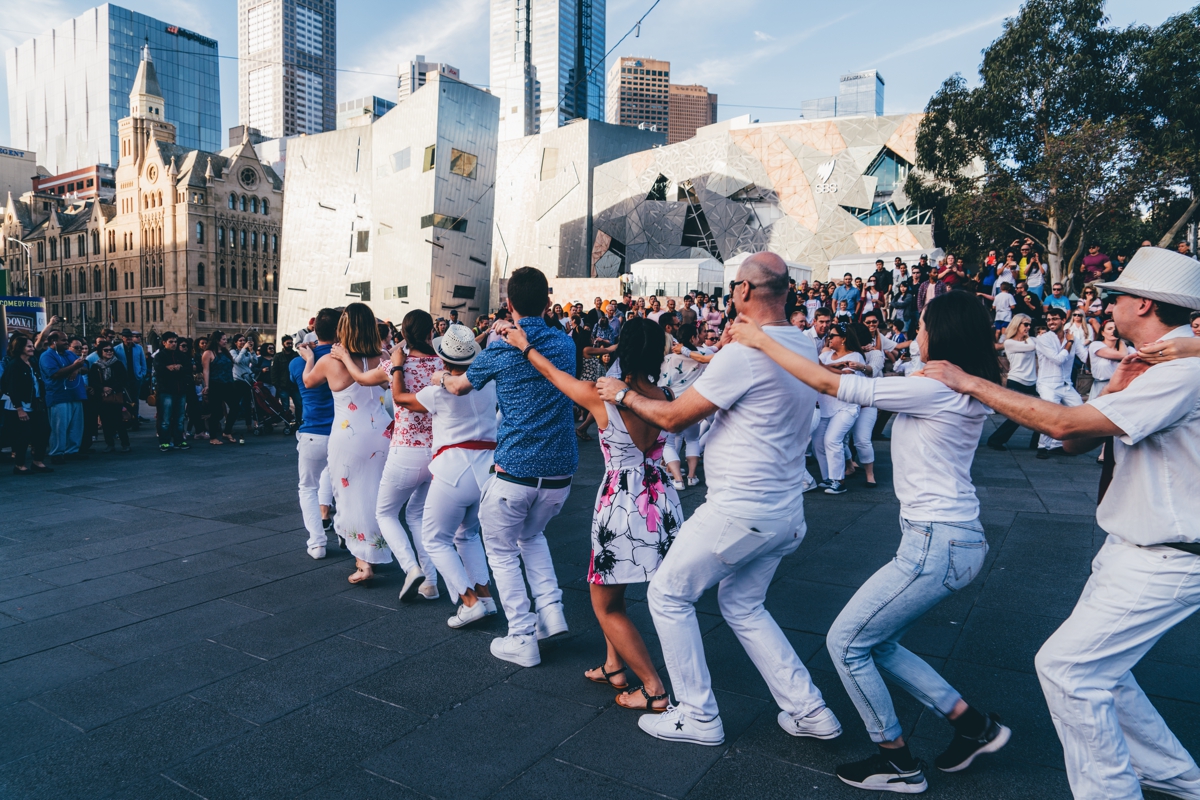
point(357, 452)
point(637, 510)
point(413, 429)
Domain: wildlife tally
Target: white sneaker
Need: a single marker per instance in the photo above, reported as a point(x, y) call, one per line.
point(678, 485)
point(551, 621)
point(429, 590)
point(465, 615)
point(520, 649)
point(673, 726)
point(412, 580)
point(693, 481)
point(317, 552)
point(820, 724)
point(1179, 786)
point(489, 603)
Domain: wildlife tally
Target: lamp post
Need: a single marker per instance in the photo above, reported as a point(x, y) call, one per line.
point(28, 265)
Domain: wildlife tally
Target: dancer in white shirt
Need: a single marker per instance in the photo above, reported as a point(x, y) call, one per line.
point(844, 352)
point(942, 547)
point(1055, 354)
point(1020, 349)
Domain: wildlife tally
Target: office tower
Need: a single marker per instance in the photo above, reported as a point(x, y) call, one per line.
point(287, 54)
point(860, 94)
point(413, 75)
point(638, 92)
point(691, 107)
point(547, 63)
point(362, 111)
point(69, 87)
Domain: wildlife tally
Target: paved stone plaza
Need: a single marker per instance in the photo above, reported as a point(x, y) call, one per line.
point(164, 634)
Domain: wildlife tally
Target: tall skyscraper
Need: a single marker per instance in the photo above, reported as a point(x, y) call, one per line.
point(287, 54)
point(69, 87)
point(638, 92)
point(547, 63)
point(692, 107)
point(412, 76)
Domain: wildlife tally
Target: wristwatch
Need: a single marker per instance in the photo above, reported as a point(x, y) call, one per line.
point(620, 397)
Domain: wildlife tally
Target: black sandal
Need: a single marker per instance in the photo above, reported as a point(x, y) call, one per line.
point(650, 700)
point(608, 676)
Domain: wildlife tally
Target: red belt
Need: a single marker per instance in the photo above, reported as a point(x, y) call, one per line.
point(474, 445)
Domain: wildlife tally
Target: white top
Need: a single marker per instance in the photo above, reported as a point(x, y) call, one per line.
point(1153, 497)
point(1053, 360)
point(754, 454)
point(1004, 304)
point(1083, 336)
point(1005, 276)
point(1022, 361)
point(934, 437)
point(875, 360)
point(830, 405)
point(456, 419)
point(1034, 277)
point(1102, 368)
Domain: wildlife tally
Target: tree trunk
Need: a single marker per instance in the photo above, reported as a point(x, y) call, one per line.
point(1054, 258)
point(1170, 235)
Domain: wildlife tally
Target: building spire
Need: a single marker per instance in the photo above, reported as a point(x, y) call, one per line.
point(146, 99)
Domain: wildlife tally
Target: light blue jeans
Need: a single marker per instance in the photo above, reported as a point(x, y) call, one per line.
point(935, 560)
point(66, 428)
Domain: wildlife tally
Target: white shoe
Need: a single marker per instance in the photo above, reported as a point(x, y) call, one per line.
point(412, 580)
point(551, 621)
point(465, 616)
point(820, 724)
point(429, 590)
point(678, 485)
point(520, 649)
point(1179, 786)
point(317, 552)
point(673, 726)
point(693, 481)
point(490, 604)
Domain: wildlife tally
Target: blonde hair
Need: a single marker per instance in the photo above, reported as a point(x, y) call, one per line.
point(358, 332)
point(1014, 327)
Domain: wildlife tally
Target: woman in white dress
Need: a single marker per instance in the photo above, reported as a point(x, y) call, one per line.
point(837, 416)
point(358, 444)
point(679, 371)
point(637, 510)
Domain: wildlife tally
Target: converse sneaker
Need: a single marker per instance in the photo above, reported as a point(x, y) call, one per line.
point(551, 621)
point(836, 487)
point(879, 774)
point(520, 649)
point(317, 552)
point(412, 581)
point(820, 724)
point(429, 590)
point(673, 726)
point(466, 615)
point(963, 749)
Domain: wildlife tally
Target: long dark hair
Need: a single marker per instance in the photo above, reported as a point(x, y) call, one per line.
point(416, 327)
point(849, 335)
point(640, 349)
point(960, 332)
point(16, 347)
point(214, 342)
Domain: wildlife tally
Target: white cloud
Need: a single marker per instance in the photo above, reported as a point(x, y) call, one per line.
point(943, 36)
point(759, 36)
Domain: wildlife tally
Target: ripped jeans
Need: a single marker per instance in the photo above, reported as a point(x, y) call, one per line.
point(934, 561)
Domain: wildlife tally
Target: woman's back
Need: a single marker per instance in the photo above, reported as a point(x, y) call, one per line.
point(619, 449)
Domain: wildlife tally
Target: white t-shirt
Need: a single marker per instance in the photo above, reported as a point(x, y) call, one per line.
point(1004, 305)
point(1153, 498)
point(1102, 368)
point(763, 418)
point(830, 405)
point(1053, 361)
point(934, 437)
point(456, 419)
point(1022, 361)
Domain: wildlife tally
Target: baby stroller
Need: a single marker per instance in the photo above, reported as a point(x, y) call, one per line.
point(267, 411)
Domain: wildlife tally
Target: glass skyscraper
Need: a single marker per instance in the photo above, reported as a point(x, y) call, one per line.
point(68, 88)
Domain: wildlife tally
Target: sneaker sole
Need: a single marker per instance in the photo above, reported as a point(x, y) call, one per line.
point(452, 620)
point(685, 739)
point(991, 747)
point(792, 731)
point(518, 660)
point(900, 787)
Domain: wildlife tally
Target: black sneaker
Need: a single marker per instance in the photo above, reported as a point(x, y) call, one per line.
point(1043, 453)
point(878, 774)
point(963, 749)
point(836, 487)
point(997, 445)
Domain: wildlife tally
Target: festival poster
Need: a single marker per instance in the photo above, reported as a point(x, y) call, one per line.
point(22, 315)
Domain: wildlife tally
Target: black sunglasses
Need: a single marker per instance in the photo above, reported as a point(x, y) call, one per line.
point(734, 284)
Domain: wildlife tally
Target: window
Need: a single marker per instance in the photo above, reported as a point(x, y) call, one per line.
point(241, 207)
point(253, 240)
point(221, 237)
point(254, 277)
point(245, 283)
point(254, 311)
point(221, 281)
point(54, 249)
point(83, 281)
point(201, 310)
point(81, 244)
point(54, 284)
point(463, 164)
point(243, 239)
point(67, 283)
point(235, 310)
point(395, 293)
point(254, 204)
point(97, 284)
point(223, 313)
point(429, 158)
point(363, 290)
point(266, 319)
point(199, 274)
point(112, 310)
point(199, 233)
point(98, 311)
point(41, 280)
point(464, 292)
point(274, 243)
point(364, 241)
point(232, 202)
point(442, 221)
point(401, 160)
point(265, 207)
point(112, 281)
point(41, 248)
point(245, 315)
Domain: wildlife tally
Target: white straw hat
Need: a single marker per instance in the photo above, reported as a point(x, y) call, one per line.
point(1162, 275)
point(457, 345)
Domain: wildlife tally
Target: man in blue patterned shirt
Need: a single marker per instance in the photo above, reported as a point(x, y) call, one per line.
point(536, 455)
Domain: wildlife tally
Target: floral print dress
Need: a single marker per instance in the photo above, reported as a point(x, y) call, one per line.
point(637, 510)
point(358, 450)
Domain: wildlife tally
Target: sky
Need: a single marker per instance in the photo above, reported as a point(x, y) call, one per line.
point(761, 57)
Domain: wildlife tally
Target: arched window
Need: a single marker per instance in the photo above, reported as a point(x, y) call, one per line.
point(42, 285)
point(199, 233)
point(97, 280)
point(245, 285)
point(253, 240)
point(221, 237)
point(67, 282)
point(242, 203)
point(96, 243)
point(221, 276)
point(158, 200)
point(233, 277)
point(82, 281)
point(254, 204)
point(274, 243)
point(254, 277)
point(232, 202)
point(242, 236)
point(54, 284)
point(266, 207)
point(112, 279)
point(275, 280)
point(199, 274)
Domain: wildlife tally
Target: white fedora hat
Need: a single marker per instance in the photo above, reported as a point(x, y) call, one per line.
point(457, 345)
point(1162, 275)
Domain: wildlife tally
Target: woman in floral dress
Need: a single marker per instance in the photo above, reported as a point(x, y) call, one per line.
point(358, 443)
point(637, 510)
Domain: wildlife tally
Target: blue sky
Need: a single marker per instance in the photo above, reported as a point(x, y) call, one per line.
point(762, 57)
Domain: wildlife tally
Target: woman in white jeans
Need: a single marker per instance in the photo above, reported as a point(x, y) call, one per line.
point(864, 424)
point(679, 371)
point(837, 417)
point(942, 545)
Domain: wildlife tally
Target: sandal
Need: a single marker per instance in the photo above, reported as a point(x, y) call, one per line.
point(608, 676)
point(215, 441)
point(650, 700)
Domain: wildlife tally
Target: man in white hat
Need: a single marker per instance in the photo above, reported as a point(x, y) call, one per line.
point(1146, 577)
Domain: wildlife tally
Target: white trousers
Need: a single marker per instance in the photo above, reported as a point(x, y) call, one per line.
point(1111, 733)
point(742, 556)
point(1063, 394)
point(315, 490)
point(405, 480)
point(514, 518)
point(828, 443)
point(451, 533)
point(688, 438)
point(863, 426)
